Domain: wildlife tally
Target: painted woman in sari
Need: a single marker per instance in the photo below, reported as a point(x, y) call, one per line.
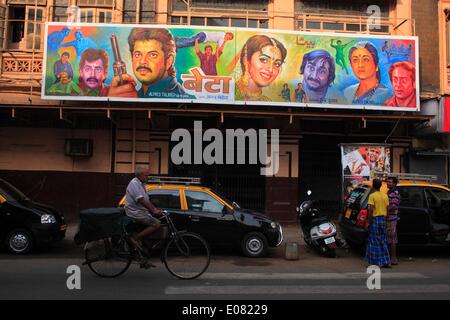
point(369, 91)
point(261, 63)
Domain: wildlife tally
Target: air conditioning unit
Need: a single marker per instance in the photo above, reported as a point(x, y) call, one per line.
point(79, 147)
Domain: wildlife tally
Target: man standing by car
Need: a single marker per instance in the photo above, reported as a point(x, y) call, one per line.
point(377, 246)
point(392, 218)
point(138, 206)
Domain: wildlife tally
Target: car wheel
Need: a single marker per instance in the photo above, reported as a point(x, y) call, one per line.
point(19, 241)
point(254, 245)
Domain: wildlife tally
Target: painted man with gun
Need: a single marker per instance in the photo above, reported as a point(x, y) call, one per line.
point(153, 53)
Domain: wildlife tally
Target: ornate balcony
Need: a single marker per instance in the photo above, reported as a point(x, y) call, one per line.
point(21, 65)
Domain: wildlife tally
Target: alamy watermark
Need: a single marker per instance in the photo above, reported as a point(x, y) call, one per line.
point(236, 146)
point(374, 20)
point(74, 279)
point(374, 280)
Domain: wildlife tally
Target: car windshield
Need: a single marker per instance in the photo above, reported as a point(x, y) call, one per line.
point(10, 192)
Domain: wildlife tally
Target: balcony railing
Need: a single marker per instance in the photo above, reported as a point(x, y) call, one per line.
point(221, 17)
point(351, 24)
point(21, 65)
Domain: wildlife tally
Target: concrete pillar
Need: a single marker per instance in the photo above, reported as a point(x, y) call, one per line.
point(399, 12)
point(282, 14)
point(162, 10)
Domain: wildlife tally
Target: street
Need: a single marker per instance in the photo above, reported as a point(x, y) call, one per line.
point(422, 274)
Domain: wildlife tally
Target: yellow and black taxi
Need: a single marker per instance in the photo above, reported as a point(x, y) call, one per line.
point(424, 212)
point(25, 224)
point(221, 222)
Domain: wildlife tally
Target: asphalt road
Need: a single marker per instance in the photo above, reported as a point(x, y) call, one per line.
point(422, 274)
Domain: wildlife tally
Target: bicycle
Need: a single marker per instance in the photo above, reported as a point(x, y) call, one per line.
point(111, 257)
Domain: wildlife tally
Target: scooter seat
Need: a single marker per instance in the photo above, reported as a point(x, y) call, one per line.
point(320, 220)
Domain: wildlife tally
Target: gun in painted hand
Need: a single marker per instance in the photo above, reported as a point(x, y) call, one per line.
point(119, 65)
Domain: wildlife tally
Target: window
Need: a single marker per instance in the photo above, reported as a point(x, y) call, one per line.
point(217, 22)
point(95, 3)
point(25, 27)
point(146, 11)
point(16, 24)
point(28, 2)
point(166, 199)
point(354, 7)
point(178, 20)
point(412, 197)
point(60, 10)
point(202, 202)
point(94, 15)
point(2, 25)
point(435, 197)
point(197, 21)
point(261, 5)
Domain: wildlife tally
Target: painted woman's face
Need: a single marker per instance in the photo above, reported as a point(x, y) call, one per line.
point(265, 65)
point(363, 64)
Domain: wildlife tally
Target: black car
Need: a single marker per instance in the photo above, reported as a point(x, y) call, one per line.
point(25, 224)
point(424, 214)
point(219, 221)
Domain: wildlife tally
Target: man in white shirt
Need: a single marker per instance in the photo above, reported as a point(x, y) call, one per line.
point(139, 208)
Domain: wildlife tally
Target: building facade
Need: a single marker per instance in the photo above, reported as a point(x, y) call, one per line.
point(35, 134)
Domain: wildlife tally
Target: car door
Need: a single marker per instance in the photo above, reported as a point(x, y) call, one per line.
point(169, 200)
point(209, 217)
point(414, 225)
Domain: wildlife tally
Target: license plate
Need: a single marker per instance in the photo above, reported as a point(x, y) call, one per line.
point(63, 227)
point(348, 213)
point(330, 240)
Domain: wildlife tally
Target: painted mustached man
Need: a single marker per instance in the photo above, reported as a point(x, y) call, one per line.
point(153, 53)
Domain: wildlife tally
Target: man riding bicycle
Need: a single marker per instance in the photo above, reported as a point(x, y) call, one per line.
point(139, 208)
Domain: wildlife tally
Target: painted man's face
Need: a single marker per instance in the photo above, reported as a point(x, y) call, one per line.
point(208, 51)
point(317, 74)
point(149, 63)
point(403, 83)
point(265, 65)
point(64, 59)
point(93, 74)
point(64, 78)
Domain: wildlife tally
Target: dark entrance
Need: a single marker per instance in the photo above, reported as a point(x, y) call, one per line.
point(320, 171)
point(240, 183)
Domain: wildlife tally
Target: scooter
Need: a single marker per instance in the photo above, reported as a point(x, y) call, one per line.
point(318, 232)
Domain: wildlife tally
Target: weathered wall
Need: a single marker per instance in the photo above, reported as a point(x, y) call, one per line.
point(39, 149)
point(427, 28)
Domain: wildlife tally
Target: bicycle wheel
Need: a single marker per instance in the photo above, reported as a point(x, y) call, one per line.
point(108, 258)
point(186, 257)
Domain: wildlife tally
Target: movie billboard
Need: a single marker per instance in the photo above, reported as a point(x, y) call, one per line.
point(362, 163)
point(142, 63)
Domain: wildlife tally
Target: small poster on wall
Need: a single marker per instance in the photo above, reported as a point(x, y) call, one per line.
point(363, 162)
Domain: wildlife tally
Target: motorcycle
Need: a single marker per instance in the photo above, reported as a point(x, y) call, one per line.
point(319, 232)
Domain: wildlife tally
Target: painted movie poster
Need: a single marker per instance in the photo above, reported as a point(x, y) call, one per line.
point(143, 63)
point(362, 163)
